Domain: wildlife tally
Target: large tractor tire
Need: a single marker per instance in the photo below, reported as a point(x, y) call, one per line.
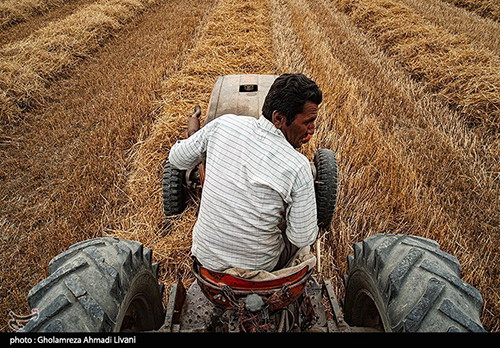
point(100, 285)
point(325, 185)
point(174, 190)
point(399, 283)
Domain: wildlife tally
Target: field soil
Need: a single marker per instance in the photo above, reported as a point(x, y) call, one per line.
point(94, 93)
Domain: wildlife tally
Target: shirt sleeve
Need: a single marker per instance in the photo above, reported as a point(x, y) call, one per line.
point(187, 153)
point(301, 215)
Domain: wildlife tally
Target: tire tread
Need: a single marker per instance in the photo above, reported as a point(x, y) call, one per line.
point(400, 265)
point(87, 284)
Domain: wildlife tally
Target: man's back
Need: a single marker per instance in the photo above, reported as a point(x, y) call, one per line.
point(253, 175)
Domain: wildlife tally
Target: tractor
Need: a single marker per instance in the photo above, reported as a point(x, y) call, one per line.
point(394, 283)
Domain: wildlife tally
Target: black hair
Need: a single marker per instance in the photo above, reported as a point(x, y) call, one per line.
point(288, 94)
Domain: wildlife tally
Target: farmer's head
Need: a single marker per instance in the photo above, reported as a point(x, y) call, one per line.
point(292, 106)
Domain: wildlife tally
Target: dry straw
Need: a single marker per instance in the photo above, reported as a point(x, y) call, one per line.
point(466, 77)
point(14, 11)
point(407, 163)
point(486, 8)
point(29, 65)
point(481, 32)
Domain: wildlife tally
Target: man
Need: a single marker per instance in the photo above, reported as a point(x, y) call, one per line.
point(254, 176)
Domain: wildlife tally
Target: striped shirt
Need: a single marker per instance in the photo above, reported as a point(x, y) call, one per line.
point(252, 177)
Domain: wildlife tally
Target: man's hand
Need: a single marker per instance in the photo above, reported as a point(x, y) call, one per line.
point(194, 122)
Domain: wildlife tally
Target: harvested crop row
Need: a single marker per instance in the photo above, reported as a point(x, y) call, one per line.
point(481, 32)
point(485, 8)
point(464, 77)
point(235, 40)
point(29, 65)
point(406, 164)
point(21, 30)
point(15, 11)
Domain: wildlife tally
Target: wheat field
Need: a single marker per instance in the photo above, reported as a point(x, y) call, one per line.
point(95, 92)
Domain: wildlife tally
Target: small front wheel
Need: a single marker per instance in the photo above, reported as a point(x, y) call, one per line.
point(174, 190)
point(325, 185)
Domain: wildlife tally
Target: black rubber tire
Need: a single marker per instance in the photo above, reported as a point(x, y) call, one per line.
point(412, 284)
point(174, 190)
point(325, 186)
point(100, 285)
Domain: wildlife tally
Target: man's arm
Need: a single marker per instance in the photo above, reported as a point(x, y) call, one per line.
point(187, 153)
point(301, 216)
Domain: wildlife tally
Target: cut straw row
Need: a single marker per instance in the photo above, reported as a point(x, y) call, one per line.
point(481, 32)
point(14, 11)
point(29, 65)
point(465, 77)
point(485, 8)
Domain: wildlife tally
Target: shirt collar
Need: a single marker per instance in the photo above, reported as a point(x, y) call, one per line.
point(267, 125)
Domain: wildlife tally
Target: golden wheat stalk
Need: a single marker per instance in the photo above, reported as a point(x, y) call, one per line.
point(481, 32)
point(486, 8)
point(14, 11)
point(465, 77)
point(29, 65)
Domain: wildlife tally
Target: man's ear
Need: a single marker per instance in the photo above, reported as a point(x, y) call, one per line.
point(278, 119)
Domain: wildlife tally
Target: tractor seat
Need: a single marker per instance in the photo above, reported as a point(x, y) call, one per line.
point(229, 291)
